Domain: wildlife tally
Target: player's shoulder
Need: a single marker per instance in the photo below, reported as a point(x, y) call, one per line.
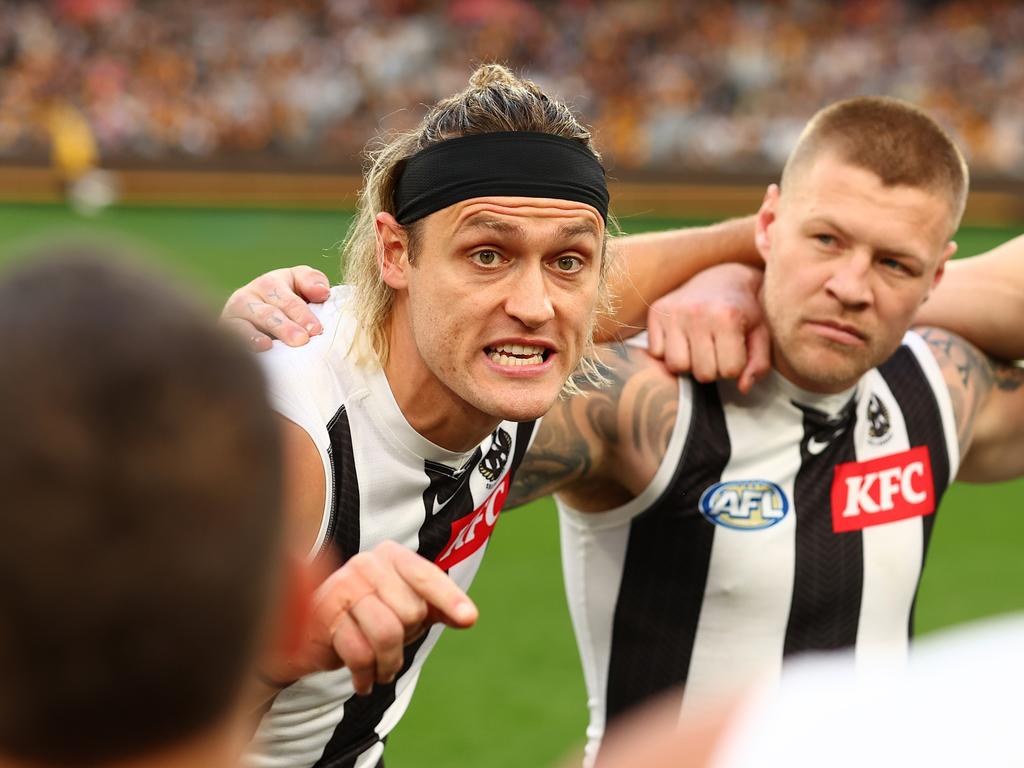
point(966, 372)
point(338, 321)
point(957, 358)
point(309, 383)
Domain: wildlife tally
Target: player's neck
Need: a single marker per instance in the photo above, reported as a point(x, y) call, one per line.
point(432, 409)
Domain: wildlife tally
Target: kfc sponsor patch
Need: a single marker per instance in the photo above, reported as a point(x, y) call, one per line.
point(897, 487)
point(469, 533)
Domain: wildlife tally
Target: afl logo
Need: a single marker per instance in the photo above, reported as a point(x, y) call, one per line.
point(744, 504)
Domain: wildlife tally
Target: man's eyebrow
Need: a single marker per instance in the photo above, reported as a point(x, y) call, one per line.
point(832, 224)
point(578, 228)
point(483, 221)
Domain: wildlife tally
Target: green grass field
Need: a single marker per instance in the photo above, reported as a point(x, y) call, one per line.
point(509, 692)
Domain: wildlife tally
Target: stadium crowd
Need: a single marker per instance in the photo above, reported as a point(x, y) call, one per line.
point(669, 85)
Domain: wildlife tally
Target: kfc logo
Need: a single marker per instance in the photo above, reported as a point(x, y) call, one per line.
point(882, 490)
point(469, 533)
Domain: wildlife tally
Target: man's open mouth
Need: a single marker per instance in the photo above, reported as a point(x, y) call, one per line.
point(513, 355)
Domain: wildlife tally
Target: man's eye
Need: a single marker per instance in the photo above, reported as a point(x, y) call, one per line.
point(569, 263)
point(827, 240)
point(896, 266)
point(486, 258)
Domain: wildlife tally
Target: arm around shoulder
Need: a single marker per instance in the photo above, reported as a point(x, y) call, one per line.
point(654, 263)
point(597, 449)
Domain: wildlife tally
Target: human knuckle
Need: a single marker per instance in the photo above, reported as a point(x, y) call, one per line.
point(731, 370)
point(236, 299)
point(264, 312)
point(355, 652)
point(694, 311)
point(390, 633)
point(292, 303)
point(267, 283)
point(361, 564)
point(728, 313)
point(418, 613)
point(703, 374)
point(675, 363)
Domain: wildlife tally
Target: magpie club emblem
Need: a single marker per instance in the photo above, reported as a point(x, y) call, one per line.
point(494, 461)
point(878, 420)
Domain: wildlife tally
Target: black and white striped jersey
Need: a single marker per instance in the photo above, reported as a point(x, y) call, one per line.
point(778, 522)
point(384, 481)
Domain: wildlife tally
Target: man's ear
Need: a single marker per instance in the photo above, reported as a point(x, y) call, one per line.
point(765, 220)
point(947, 254)
point(392, 251)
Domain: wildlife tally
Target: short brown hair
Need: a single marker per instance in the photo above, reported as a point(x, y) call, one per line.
point(140, 525)
point(895, 140)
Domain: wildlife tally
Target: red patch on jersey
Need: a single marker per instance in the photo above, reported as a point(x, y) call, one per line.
point(470, 532)
point(878, 491)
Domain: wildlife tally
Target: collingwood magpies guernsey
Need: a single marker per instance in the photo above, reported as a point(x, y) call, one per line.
point(778, 522)
point(383, 481)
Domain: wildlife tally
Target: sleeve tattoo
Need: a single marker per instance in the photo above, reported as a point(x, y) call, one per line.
point(579, 432)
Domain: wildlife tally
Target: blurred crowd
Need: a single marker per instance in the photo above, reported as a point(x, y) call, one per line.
point(669, 85)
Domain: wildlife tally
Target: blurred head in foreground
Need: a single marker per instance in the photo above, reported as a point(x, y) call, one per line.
point(140, 524)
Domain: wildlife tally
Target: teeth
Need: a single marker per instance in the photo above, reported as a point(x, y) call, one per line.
point(519, 349)
point(509, 360)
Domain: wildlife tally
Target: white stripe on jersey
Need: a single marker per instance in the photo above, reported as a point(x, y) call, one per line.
point(751, 575)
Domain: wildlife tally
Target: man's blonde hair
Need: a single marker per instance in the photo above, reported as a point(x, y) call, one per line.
point(896, 141)
point(496, 100)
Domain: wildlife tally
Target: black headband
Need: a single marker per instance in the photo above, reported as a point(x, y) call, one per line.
point(511, 163)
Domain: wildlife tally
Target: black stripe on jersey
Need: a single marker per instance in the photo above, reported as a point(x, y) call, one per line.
point(448, 498)
point(523, 434)
point(914, 394)
point(666, 567)
point(829, 567)
point(356, 732)
point(343, 527)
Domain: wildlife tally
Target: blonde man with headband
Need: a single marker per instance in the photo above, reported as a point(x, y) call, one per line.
point(477, 263)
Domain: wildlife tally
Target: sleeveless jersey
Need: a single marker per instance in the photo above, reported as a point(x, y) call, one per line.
point(383, 481)
point(778, 522)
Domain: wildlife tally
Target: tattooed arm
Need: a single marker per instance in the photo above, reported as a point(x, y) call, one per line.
point(988, 401)
point(601, 448)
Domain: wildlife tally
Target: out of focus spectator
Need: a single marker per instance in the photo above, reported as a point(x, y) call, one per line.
point(670, 85)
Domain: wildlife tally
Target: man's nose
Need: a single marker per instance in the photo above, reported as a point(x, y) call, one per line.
point(528, 300)
point(850, 282)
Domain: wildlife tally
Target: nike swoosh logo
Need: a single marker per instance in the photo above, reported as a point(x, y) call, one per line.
point(816, 446)
point(439, 503)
